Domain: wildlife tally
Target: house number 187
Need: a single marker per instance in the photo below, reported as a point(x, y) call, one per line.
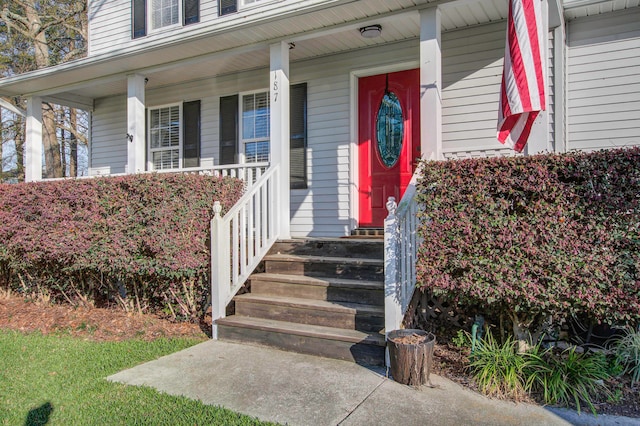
point(275, 87)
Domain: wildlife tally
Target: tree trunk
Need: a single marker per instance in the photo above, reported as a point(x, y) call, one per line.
point(527, 331)
point(73, 144)
point(1, 146)
point(52, 156)
point(44, 27)
point(19, 141)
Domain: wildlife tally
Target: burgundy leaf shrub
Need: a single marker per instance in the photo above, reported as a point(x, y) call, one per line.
point(529, 237)
point(140, 240)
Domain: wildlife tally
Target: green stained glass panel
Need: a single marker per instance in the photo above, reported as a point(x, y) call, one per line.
point(389, 129)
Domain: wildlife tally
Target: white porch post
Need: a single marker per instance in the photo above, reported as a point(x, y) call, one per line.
point(136, 132)
point(279, 92)
point(559, 81)
point(430, 84)
point(33, 140)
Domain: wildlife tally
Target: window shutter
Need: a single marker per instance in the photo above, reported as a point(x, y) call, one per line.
point(227, 6)
point(228, 129)
point(191, 12)
point(191, 134)
point(139, 18)
point(298, 136)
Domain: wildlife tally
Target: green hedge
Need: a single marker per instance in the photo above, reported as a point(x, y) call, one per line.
point(528, 237)
point(141, 241)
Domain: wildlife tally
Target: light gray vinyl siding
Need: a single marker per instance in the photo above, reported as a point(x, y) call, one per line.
point(471, 74)
point(108, 141)
point(110, 25)
point(604, 81)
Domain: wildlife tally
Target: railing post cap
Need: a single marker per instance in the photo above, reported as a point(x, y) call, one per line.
point(391, 205)
point(217, 208)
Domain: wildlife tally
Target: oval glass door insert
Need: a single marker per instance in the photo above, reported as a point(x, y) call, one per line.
point(389, 129)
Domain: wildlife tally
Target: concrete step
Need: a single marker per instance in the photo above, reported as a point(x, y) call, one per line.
point(332, 247)
point(351, 316)
point(325, 266)
point(349, 345)
point(330, 289)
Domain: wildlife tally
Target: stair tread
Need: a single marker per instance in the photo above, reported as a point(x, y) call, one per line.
point(319, 281)
point(318, 331)
point(315, 239)
point(322, 305)
point(324, 259)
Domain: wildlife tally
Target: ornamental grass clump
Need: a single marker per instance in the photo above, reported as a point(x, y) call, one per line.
point(498, 368)
point(566, 378)
point(570, 378)
point(627, 352)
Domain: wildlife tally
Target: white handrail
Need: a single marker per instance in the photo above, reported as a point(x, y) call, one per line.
point(245, 171)
point(240, 240)
point(400, 252)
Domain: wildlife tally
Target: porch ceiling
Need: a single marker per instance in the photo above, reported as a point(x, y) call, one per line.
point(316, 33)
point(581, 8)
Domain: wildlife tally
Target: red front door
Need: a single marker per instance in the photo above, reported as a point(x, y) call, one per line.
point(388, 140)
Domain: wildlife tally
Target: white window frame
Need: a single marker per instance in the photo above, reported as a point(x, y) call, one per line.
point(251, 3)
point(164, 27)
point(241, 140)
point(150, 150)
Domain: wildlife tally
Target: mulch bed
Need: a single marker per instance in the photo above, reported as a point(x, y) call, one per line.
point(97, 324)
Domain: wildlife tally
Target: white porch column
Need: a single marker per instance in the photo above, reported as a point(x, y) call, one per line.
point(430, 84)
point(279, 92)
point(136, 132)
point(33, 140)
point(559, 81)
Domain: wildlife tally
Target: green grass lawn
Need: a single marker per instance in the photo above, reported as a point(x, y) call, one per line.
point(62, 380)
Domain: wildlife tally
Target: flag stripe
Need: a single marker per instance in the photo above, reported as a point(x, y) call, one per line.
point(522, 94)
point(518, 82)
point(535, 39)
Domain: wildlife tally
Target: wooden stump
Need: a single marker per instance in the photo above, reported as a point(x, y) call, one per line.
point(411, 355)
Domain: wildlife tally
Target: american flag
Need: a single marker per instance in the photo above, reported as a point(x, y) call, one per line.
point(522, 94)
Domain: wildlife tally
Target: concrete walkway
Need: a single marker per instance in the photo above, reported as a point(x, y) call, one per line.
point(299, 389)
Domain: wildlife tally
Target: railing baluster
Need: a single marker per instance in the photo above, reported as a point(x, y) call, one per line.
point(248, 228)
point(400, 250)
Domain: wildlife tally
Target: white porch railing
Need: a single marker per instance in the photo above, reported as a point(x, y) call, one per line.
point(400, 252)
point(248, 172)
point(241, 238)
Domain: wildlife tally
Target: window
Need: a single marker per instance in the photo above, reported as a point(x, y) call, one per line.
point(244, 130)
point(162, 13)
point(226, 7)
point(174, 136)
point(164, 137)
point(255, 127)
